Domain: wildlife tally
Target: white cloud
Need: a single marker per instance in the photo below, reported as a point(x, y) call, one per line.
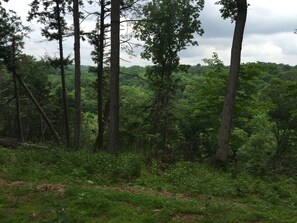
point(268, 35)
point(268, 52)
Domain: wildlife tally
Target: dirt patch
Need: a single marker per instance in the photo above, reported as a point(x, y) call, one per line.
point(18, 183)
point(2, 181)
point(59, 188)
point(189, 218)
point(147, 191)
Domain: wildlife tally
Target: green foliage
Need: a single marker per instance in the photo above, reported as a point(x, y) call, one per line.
point(134, 126)
point(82, 166)
point(202, 101)
point(282, 95)
point(12, 36)
point(89, 129)
point(257, 153)
point(187, 176)
point(229, 9)
point(51, 15)
point(133, 76)
point(264, 133)
point(59, 216)
point(183, 191)
point(168, 28)
point(202, 179)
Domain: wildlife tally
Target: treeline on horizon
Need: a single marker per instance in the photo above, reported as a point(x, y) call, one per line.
point(243, 115)
point(264, 132)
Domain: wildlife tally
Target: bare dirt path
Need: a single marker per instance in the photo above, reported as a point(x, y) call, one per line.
point(60, 188)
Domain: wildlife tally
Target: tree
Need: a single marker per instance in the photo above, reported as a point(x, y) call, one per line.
point(101, 57)
point(98, 39)
point(134, 118)
point(167, 28)
point(113, 143)
point(100, 74)
point(35, 74)
point(55, 27)
point(76, 23)
point(283, 113)
point(16, 91)
point(11, 39)
point(237, 11)
point(40, 110)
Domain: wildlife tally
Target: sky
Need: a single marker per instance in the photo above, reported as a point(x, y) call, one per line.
point(269, 35)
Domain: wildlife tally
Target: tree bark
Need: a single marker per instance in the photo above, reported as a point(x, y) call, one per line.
point(77, 74)
point(0, 82)
point(228, 108)
point(99, 144)
point(62, 70)
point(18, 110)
point(16, 93)
point(113, 145)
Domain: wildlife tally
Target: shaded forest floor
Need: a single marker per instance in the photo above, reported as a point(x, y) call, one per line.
point(58, 186)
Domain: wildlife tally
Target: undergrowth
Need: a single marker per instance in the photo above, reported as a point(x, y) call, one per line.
point(181, 192)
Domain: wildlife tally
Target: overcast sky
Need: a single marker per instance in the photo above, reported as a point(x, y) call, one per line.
point(269, 35)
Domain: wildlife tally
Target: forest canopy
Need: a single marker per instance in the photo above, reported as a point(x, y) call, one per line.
point(168, 107)
point(166, 142)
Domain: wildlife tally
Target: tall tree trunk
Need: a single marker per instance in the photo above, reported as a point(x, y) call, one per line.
point(99, 143)
point(77, 73)
point(16, 93)
point(40, 110)
point(18, 110)
point(225, 128)
point(113, 144)
point(62, 69)
point(0, 82)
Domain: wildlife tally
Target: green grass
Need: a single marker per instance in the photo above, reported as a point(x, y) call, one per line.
point(57, 186)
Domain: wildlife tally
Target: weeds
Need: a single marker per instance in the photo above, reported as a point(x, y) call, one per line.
point(134, 192)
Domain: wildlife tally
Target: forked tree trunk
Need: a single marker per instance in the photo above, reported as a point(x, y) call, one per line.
point(228, 108)
point(113, 144)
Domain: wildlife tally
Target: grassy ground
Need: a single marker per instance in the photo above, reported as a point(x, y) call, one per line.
point(58, 186)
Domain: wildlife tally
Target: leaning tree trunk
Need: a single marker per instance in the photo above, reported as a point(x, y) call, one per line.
point(77, 74)
point(113, 143)
point(62, 69)
point(40, 110)
point(225, 128)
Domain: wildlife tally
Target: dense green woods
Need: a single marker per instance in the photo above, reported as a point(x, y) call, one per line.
point(264, 133)
point(242, 115)
point(168, 142)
